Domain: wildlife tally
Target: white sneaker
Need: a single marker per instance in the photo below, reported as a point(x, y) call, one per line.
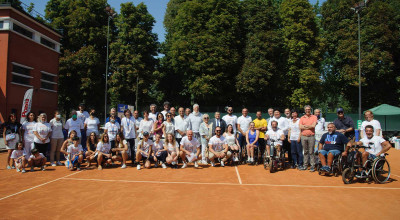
point(8, 167)
point(235, 159)
point(23, 171)
point(222, 163)
point(204, 162)
point(123, 166)
point(138, 166)
point(163, 166)
point(173, 162)
point(53, 164)
point(18, 170)
point(43, 169)
point(212, 164)
point(184, 166)
point(196, 164)
point(59, 163)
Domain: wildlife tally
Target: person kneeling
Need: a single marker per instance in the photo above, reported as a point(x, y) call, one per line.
point(36, 160)
point(121, 149)
point(144, 151)
point(331, 144)
point(102, 153)
point(190, 149)
point(218, 148)
point(159, 152)
point(18, 156)
point(75, 154)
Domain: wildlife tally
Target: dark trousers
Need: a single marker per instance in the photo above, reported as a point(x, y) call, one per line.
point(287, 147)
point(179, 141)
point(242, 140)
point(261, 146)
point(297, 152)
point(42, 148)
point(162, 157)
point(131, 143)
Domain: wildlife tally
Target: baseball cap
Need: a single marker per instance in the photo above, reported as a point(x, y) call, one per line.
point(339, 110)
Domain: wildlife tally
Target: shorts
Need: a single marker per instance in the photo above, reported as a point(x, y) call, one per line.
point(104, 157)
point(333, 152)
point(74, 160)
point(37, 163)
point(191, 157)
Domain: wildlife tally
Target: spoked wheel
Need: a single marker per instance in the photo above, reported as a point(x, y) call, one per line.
point(348, 176)
point(271, 165)
point(381, 170)
point(266, 162)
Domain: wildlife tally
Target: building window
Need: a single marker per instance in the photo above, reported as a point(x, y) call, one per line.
point(22, 31)
point(48, 43)
point(20, 74)
point(1, 24)
point(48, 81)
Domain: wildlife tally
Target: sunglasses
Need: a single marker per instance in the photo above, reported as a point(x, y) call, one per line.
point(206, 118)
point(218, 130)
point(168, 115)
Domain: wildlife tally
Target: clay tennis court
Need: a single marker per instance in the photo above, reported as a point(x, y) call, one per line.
point(248, 192)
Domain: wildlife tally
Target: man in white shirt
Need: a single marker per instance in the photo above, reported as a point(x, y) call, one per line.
point(319, 127)
point(153, 113)
point(128, 127)
point(190, 149)
point(82, 114)
point(231, 119)
point(243, 123)
point(218, 148)
point(137, 123)
point(74, 124)
point(276, 135)
point(194, 120)
point(180, 124)
point(282, 122)
point(271, 114)
point(166, 108)
point(286, 144)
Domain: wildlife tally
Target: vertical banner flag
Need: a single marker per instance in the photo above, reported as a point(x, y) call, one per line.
point(26, 104)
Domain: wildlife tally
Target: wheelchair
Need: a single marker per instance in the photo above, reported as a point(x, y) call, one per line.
point(377, 169)
point(338, 165)
point(243, 155)
point(274, 162)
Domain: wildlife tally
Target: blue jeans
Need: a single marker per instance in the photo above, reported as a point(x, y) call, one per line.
point(297, 152)
point(242, 140)
point(333, 152)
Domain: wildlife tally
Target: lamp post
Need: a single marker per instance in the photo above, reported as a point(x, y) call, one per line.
point(357, 9)
point(110, 15)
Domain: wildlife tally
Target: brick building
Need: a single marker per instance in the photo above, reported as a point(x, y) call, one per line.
point(29, 58)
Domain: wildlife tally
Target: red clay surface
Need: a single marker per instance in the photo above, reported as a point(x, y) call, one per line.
point(208, 192)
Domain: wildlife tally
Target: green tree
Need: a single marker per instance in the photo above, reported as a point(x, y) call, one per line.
point(262, 54)
point(133, 55)
point(303, 48)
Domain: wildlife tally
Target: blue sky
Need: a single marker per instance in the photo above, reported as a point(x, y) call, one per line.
point(155, 7)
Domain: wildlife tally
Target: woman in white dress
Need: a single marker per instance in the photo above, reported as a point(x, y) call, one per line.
point(173, 150)
point(27, 133)
point(169, 127)
point(146, 125)
point(232, 142)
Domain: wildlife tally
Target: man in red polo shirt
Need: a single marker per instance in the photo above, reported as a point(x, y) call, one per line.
point(307, 127)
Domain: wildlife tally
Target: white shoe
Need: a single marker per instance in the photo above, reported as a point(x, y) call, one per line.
point(212, 164)
point(138, 166)
point(173, 162)
point(184, 166)
point(204, 162)
point(123, 166)
point(53, 164)
point(43, 169)
point(59, 163)
point(23, 171)
point(163, 166)
point(222, 163)
point(196, 164)
point(8, 167)
point(18, 170)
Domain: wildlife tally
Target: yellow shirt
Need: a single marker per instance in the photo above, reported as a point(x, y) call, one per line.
point(260, 123)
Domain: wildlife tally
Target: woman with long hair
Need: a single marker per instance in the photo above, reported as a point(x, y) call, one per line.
point(232, 142)
point(91, 144)
point(11, 135)
point(121, 149)
point(173, 150)
point(57, 138)
point(27, 133)
point(42, 132)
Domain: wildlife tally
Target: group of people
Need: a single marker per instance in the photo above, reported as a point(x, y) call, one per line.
point(175, 136)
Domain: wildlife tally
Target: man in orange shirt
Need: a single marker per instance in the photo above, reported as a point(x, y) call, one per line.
point(307, 127)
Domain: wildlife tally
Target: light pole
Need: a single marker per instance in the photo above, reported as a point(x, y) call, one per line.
point(110, 15)
point(357, 8)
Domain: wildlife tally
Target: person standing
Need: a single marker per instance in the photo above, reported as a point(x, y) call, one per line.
point(243, 124)
point(111, 128)
point(295, 142)
point(166, 109)
point(153, 112)
point(27, 133)
point(319, 128)
point(11, 135)
point(307, 126)
point(369, 120)
point(137, 124)
point(181, 125)
point(205, 134)
point(57, 139)
point(187, 112)
point(158, 125)
point(92, 123)
point(82, 114)
point(42, 132)
point(231, 119)
point(169, 127)
point(74, 124)
point(194, 120)
point(218, 122)
point(172, 110)
point(128, 129)
point(260, 124)
point(344, 124)
point(271, 114)
point(113, 112)
point(146, 125)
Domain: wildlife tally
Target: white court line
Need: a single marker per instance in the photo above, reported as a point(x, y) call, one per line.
point(394, 175)
point(230, 184)
point(38, 186)
point(237, 172)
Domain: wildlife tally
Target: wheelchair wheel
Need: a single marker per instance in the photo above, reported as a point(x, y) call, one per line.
point(271, 166)
point(348, 176)
point(381, 170)
point(265, 161)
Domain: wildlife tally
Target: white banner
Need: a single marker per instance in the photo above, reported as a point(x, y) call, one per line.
point(26, 105)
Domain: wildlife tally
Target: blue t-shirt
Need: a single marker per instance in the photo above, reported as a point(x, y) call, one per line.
point(335, 141)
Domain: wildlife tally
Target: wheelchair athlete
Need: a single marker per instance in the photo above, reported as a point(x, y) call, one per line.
point(331, 144)
point(274, 134)
point(378, 146)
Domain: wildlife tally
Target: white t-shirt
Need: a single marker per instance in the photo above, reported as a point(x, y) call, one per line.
point(164, 114)
point(72, 150)
point(180, 124)
point(217, 143)
point(153, 116)
point(146, 145)
point(282, 124)
point(320, 126)
point(171, 148)
point(294, 129)
point(376, 144)
point(158, 146)
point(129, 127)
point(125, 142)
point(112, 130)
point(137, 121)
point(28, 130)
point(190, 146)
point(56, 127)
point(231, 120)
point(169, 128)
point(40, 156)
point(145, 126)
point(274, 135)
point(82, 115)
point(244, 123)
point(374, 123)
point(43, 129)
point(17, 153)
point(92, 125)
point(194, 121)
point(103, 147)
point(76, 125)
